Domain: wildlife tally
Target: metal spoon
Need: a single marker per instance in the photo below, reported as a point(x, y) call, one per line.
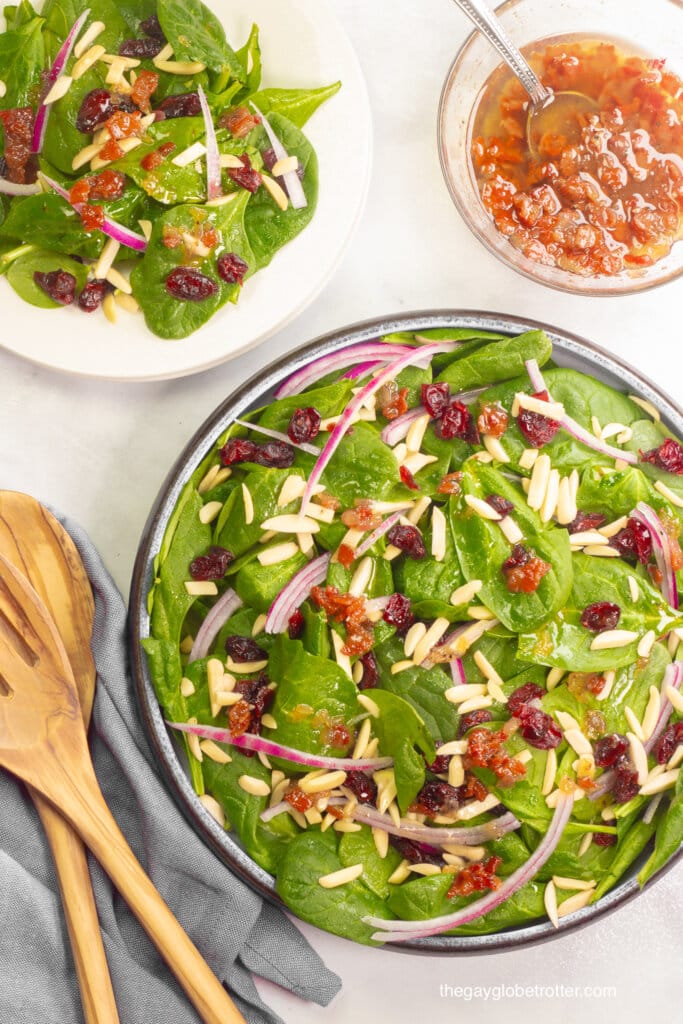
point(548, 109)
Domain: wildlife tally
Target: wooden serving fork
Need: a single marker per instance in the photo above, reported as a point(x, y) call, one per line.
point(43, 742)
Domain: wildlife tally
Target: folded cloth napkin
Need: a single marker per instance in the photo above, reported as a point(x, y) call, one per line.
point(235, 930)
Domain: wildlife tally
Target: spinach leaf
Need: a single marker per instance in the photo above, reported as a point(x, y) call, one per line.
point(340, 910)
point(616, 493)
point(565, 643)
point(403, 735)
point(421, 687)
point(297, 105)
point(329, 401)
point(168, 183)
point(196, 34)
point(264, 842)
point(669, 835)
point(250, 57)
point(629, 848)
point(482, 548)
point(268, 227)
point(312, 694)
point(165, 315)
point(359, 848)
point(258, 585)
point(362, 466)
point(425, 898)
point(21, 271)
point(232, 530)
point(22, 59)
point(496, 361)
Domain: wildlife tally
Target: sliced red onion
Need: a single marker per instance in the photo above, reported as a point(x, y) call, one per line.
point(247, 741)
point(362, 369)
point(109, 227)
point(213, 158)
point(225, 606)
point(581, 434)
point(468, 836)
point(444, 643)
point(295, 189)
point(535, 376)
point(317, 368)
point(402, 931)
point(295, 593)
point(279, 436)
point(376, 534)
point(661, 546)
point(458, 671)
point(397, 429)
point(53, 74)
point(354, 405)
point(10, 188)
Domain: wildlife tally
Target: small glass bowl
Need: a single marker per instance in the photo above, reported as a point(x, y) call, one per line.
point(653, 33)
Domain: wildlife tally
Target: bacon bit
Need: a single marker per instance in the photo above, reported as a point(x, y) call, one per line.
point(171, 237)
point(336, 812)
point(122, 125)
point(157, 156)
point(80, 192)
point(18, 130)
point(476, 878)
point(586, 783)
point(328, 501)
point(239, 717)
point(209, 236)
point(408, 478)
point(474, 788)
point(345, 555)
point(580, 683)
point(485, 750)
point(655, 575)
point(145, 84)
point(493, 420)
point(240, 122)
point(391, 402)
point(110, 151)
point(352, 612)
point(336, 735)
point(91, 216)
point(523, 571)
point(299, 800)
point(362, 516)
point(450, 484)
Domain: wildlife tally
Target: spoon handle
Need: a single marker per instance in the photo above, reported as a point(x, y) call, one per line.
point(492, 28)
point(82, 803)
point(92, 970)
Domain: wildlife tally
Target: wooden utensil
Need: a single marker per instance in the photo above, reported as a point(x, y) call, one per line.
point(43, 741)
point(39, 547)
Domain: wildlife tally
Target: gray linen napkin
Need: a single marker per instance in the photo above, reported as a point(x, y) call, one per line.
point(235, 930)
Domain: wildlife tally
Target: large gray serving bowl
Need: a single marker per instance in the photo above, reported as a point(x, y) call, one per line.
point(569, 350)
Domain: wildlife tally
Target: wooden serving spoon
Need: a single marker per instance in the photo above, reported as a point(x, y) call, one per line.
point(43, 741)
point(39, 547)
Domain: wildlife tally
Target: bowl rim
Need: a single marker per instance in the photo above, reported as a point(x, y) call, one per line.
point(565, 281)
point(576, 349)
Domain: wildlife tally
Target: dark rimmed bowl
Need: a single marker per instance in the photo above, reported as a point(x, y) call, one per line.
point(569, 350)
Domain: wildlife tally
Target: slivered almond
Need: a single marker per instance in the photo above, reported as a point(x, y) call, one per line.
point(88, 38)
point(550, 410)
point(477, 807)
point(574, 903)
point(528, 458)
point(670, 495)
point(278, 553)
point(486, 668)
point(595, 427)
point(463, 692)
point(600, 551)
point(430, 639)
point(341, 658)
point(566, 508)
point(320, 514)
point(187, 156)
point(180, 67)
point(438, 534)
point(647, 406)
point(539, 482)
point(416, 461)
point(284, 166)
point(482, 508)
point(85, 155)
point(610, 530)
point(659, 783)
point(566, 720)
point(478, 611)
point(187, 687)
point(674, 697)
point(646, 644)
point(229, 160)
point(638, 756)
point(60, 88)
point(495, 448)
point(612, 639)
point(318, 783)
point(109, 307)
point(127, 302)
point(213, 807)
point(245, 668)
point(578, 742)
point(416, 513)
point(549, 773)
point(550, 498)
point(553, 678)
point(464, 594)
point(118, 280)
point(610, 676)
point(201, 588)
point(584, 537)
point(475, 704)
point(633, 587)
point(248, 505)
point(456, 771)
point(413, 637)
point(253, 786)
point(361, 577)
point(550, 903)
point(585, 844)
point(290, 524)
point(401, 666)
point(578, 884)
point(416, 433)
point(511, 530)
point(106, 259)
point(210, 511)
point(277, 193)
point(86, 61)
point(293, 488)
point(214, 752)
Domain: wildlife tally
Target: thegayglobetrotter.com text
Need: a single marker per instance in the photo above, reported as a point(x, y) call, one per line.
point(494, 993)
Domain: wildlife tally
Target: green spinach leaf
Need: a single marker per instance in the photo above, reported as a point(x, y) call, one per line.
point(196, 34)
point(297, 105)
point(403, 735)
point(21, 271)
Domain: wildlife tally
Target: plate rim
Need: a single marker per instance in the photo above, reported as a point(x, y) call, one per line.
point(223, 844)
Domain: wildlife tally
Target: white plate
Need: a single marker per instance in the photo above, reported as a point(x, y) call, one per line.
point(303, 46)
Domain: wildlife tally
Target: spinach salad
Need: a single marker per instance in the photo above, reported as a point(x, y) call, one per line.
point(140, 161)
point(416, 621)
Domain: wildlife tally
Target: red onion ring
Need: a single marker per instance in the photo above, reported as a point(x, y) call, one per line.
point(225, 606)
point(63, 54)
point(279, 436)
point(109, 227)
point(661, 546)
point(213, 159)
point(295, 593)
point(295, 189)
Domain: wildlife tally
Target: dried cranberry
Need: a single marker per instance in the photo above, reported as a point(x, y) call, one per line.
point(142, 48)
point(416, 853)
point(600, 616)
point(518, 556)
point(258, 695)
point(472, 719)
point(634, 541)
point(625, 787)
point(669, 456)
point(408, 539)
point(152, 27)
point(524, 695)
point(295, 625)
point(58, 284)
point(240, 122)
point(189, 285)
point(458, 421)
point(94, 110)
point(537, 429)
point(437, 797)
point(609, 749)
point(501, 505)
point(186, 105)
point(18, 130)
point(407, 478)
point(669, 740)
point(363, 787)
point(604, 838)
point(238, 449)
point(274, 454)
point(370, 675)
point(397, 613)
point(91, 297)
point(439, 765)
point(304, 425)
point(231, 268)
point(243, 648)
point(538, 728)
point(212, 565)
point(586, 521)
point(246, 177)
point(435, 398)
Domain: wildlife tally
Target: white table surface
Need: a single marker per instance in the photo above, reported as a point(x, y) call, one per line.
point(101, 451)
